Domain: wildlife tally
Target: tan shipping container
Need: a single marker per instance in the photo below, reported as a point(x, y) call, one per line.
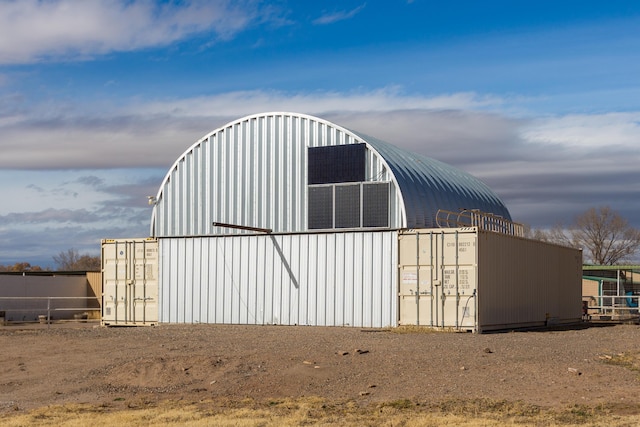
point(470, 279)
point(129, 282)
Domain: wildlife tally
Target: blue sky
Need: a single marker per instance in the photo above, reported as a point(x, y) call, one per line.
point(539, 99)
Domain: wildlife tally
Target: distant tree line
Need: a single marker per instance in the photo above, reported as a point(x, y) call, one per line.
point(69, 260)
point(21, 267)
point(605, 237)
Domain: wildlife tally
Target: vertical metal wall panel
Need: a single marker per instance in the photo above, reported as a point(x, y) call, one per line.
point(338, 278)
point(358, 291)
point(330, 279)
point(367, 292)
point(347, 282)
point(180, 276)
point(202, 279)
point(311, 279)
point(327, 306)
point(218, 282)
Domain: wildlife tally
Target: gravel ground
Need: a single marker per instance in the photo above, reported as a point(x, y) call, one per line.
point(587, 365)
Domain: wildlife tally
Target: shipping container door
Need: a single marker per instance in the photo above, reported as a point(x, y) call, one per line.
point(130, 282)
point(438, 278)
point(418, 280)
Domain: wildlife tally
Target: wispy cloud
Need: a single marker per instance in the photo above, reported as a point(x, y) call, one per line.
point(610, 130)
point(33, 30)
point(153, 134)
point(91, 180)
point(461, 128)
point(51, 215)
point(384, 99)
point(330, 18)
point(547, 169)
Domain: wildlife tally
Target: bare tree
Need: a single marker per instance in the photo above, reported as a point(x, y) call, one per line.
point(604, 235)
point(71, 260)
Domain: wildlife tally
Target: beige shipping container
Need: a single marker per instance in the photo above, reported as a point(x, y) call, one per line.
point(129, 282)
point(470, 279)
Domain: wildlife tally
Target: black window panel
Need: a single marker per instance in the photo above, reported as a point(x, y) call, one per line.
point(348, 206)
point(320, 207)
point(337, 163)
point(375, 205)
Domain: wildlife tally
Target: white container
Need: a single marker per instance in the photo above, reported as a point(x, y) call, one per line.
point(315, 279)
point(129, 282)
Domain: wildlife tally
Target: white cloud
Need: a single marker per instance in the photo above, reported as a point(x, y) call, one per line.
point(588, 131)
point(547, 169)
point(32, 30)
point(460, 128)
point(154, 134)
point(235, 104)
point(330, 18)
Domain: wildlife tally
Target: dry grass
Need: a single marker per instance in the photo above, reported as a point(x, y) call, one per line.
point(317, 412)
point(630, 360)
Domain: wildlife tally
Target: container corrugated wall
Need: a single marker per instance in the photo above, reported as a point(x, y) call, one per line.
point(480, 280)
point(322, 279)
point(527, 282)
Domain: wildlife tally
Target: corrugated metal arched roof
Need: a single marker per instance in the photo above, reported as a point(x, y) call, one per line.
point(427, 185)
point(253, 172)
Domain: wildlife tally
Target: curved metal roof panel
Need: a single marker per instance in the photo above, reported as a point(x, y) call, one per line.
point(428, 185)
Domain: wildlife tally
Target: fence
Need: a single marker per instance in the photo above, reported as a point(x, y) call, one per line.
point(48, 309)
point(609, 307)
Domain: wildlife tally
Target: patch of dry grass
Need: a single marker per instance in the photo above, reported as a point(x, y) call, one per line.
point(629, 360)
point(318, 412)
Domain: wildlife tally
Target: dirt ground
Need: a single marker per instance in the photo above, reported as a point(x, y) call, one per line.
point(83, 363)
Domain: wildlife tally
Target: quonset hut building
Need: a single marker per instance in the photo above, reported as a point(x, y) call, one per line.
point(285, 218)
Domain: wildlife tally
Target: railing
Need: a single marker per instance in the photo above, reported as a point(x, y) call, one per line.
point(611, 305)
point(48, 311)
point(482, 220)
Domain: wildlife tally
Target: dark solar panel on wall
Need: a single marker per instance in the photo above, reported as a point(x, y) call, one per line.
point(347, 206)
point(320, 214)
point(337, 163)
point(375, 205)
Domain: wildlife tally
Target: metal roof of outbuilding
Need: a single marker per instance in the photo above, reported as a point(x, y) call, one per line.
point(253, 172)
point(428, 185)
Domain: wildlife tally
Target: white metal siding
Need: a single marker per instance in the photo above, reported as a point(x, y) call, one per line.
point(253, 172)
point(331, 279)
